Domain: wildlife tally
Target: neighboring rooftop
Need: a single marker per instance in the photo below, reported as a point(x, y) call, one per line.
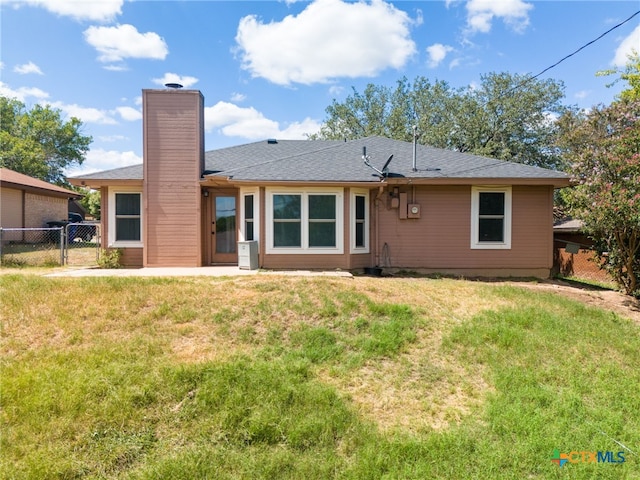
point(12, 179)
point(568, 225)
point(341, 161)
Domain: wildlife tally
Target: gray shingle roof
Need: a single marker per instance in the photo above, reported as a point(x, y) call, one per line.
point(339, 161)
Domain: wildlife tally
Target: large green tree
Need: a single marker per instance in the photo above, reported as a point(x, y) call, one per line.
point(40, 142)
point(630, 73)
point(604, 148)
point(506, 116)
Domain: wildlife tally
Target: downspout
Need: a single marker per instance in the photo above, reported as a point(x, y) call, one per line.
point(376, 204)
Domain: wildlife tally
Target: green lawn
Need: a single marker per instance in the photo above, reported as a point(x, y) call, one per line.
point(311, 378)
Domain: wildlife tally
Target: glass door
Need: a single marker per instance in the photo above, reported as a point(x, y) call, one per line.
point(223, 229)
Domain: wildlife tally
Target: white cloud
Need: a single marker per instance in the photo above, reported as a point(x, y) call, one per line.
point(116, 68)
point(98, 160)
point(112, 138)
point(22, 93)
point(329, 39)
point(124, 41)
point(86, 114)
point(248, 123)
point(335, 90)
point(28, 68)
point(632, 42)
point(168, 77)
point(437, 52)
point(238, 97)
point(97, 11)
point(129, 114)
point(582, 94)
point(480, 14)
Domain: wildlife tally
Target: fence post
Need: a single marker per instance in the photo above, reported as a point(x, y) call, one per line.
point(62, 246)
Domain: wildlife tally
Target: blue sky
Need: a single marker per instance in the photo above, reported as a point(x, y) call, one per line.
point(269, 69)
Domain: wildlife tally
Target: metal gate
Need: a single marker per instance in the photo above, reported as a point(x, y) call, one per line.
point(81, 244)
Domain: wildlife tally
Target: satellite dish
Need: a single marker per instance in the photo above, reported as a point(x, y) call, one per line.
point(385, 169)
point(384, 173)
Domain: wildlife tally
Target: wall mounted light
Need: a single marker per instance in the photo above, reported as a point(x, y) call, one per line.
point(205, 193)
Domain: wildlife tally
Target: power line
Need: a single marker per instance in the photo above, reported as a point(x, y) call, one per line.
point(524, 82)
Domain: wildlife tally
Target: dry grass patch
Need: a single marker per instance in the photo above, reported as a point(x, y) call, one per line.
point(424, 388)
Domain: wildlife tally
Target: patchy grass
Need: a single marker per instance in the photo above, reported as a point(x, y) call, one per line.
point(283, 377)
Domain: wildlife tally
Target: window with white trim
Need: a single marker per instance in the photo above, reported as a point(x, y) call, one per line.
point(304, 221)
point(491, 217)
point(249, 214)
point(125, 218)
point(359, 209)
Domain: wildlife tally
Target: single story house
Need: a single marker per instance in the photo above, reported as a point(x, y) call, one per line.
point(370, 202)
point(27, 202)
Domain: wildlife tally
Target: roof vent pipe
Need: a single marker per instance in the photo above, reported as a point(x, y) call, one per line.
point(415, 143)
point(173, 85)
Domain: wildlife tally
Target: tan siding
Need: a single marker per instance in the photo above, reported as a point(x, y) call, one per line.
point(173, 157)
point(440, 239)
point(10, 208)
point(11, 211)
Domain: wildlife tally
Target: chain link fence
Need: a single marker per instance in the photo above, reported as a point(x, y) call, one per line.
point(65, 244)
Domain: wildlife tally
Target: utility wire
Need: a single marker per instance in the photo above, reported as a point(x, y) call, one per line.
point(524, 82)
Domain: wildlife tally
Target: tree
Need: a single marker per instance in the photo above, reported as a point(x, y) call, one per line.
point(630, 74)
point(38, 142)
point(91, 201)
point(507, 116)
point(604, 147)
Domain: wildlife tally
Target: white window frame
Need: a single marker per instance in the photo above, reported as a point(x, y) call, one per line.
point(256, 213)
point(304, 220)
point(352, 222)
point(475, 218)
point(112, 218)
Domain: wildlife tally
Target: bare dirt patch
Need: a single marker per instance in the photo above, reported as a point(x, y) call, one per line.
point(617, 302)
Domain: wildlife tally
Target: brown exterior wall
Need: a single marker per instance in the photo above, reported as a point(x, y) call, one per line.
point(440, 239)
point(131, 257)
point(173, 139)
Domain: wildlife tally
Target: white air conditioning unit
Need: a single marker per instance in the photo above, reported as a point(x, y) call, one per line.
point(248, 255)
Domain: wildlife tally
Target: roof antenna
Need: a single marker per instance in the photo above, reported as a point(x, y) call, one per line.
point(415, 154)
point(384, 173)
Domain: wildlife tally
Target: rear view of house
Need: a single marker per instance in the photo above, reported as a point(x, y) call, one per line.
point(321, 204)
